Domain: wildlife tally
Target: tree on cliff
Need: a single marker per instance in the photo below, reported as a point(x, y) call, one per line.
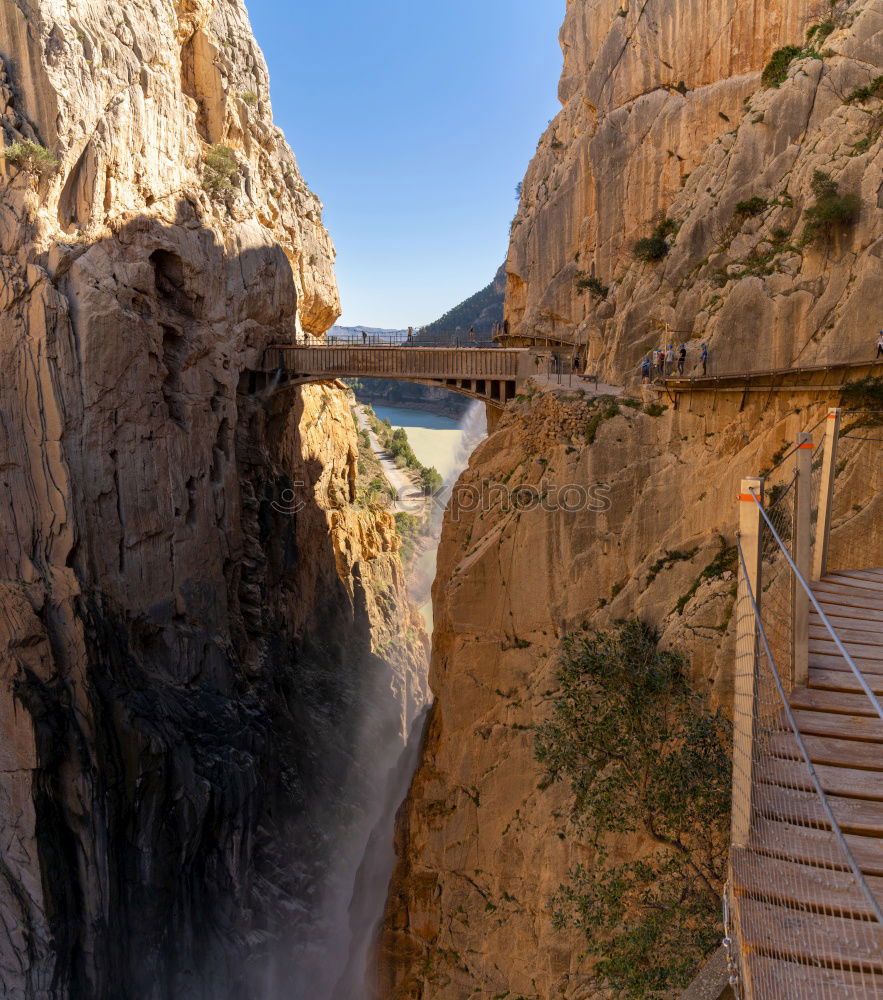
point(645, 756)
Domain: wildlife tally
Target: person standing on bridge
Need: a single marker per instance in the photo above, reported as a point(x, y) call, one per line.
point(364, 337)
point(704, 359)
point(682, 358)
point(471, 334)
point(410, 334)
point(660, 361)
point(645, 370)
point(670, 359)
point(880, 345)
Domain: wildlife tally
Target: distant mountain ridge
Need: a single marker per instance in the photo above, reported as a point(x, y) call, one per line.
point(481, 311)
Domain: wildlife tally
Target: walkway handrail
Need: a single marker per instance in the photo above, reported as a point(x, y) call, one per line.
point(815, 603)
point(792, 722)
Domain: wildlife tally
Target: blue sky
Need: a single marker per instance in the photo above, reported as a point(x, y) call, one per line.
point(413, 122)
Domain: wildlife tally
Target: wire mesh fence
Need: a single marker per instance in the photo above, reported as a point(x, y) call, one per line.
point(806, 874)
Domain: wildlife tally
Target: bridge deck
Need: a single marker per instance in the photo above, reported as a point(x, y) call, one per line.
point(489, 373)
point(806, 928)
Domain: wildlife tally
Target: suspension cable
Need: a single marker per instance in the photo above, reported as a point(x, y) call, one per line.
point(846, 656)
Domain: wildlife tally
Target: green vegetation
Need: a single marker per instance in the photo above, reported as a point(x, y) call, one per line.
point(749, 207)
point(830, 211)
point(654, 247)
point(409, 528)
point(776, 70)
point(655, 409)
point(250, 98)
point(669, 559)
point(589, 283)
point(397, 444)
point(608, 408)
point(31, 157)
point(723, 562)
point(220, 170)
point(861, 94)
point(642, 753)
point(817, 33)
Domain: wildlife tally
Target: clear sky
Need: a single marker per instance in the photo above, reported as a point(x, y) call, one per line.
point(413, 122)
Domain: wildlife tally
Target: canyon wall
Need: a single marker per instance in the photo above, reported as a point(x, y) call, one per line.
point(196, 606)
point(665, 116)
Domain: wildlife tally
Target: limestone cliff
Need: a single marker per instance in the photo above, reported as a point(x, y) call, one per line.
point(665, 116)
point(194, 605)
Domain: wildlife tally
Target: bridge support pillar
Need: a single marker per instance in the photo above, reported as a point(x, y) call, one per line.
point(803, 561)
point(826, 494)
point(744, 693)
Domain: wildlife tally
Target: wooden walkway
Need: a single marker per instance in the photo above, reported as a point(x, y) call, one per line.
point(806, 930)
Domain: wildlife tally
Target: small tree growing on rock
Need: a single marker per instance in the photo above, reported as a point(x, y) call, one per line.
point(642, 753)
point(220, 170)
point(831, 211)
point(31, 157)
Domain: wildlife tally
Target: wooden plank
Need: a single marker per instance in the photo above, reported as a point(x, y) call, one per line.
point(815, 847)
point(849, 782)
point(786, 980)
point(790, 883)
point(867, 580)
point(857, 650)
point(839, 622)
point(829, 750)
point(828, 662)
point(871, 636)
point(841, 727)
point(804, 809)
point(834, 610)
point(837, 702)
point(832, 594)
point(843, 680)
point(813, 938)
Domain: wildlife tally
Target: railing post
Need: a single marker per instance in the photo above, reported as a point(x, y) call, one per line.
point(802, 559)
point(826, 494)
point(746, 649)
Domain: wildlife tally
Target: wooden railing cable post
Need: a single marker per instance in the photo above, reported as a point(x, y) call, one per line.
point(826, 494)
point(803, 560)
point(746, 650)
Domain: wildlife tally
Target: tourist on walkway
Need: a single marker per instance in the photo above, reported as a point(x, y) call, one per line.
point(410, 334)
point(704, 359)
point(364, 337)
point(645, 369)
point(670, 358)
point(660, 362)
point(682, 358)
point(880, 345)
point(471, 334)
point(576, 360)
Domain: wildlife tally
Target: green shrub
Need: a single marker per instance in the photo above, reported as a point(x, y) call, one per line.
point(776, 70)
point(31, 157)
point(641, 752)
point(750, 207)
point(589, 283)
point(654, 247)
point(250, 98)
point(819, 32)
point(408, 527)
point(220, 170)
point(830, 211)
point(873, 89)
point(655, 409)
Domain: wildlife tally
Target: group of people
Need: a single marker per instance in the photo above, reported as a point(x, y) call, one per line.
point(664, 360)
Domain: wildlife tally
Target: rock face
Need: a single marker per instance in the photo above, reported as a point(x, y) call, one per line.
point(665, 116)
point(193, 604)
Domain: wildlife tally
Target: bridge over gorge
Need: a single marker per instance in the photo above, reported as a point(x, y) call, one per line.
point(805, 889)
point(491, 374)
